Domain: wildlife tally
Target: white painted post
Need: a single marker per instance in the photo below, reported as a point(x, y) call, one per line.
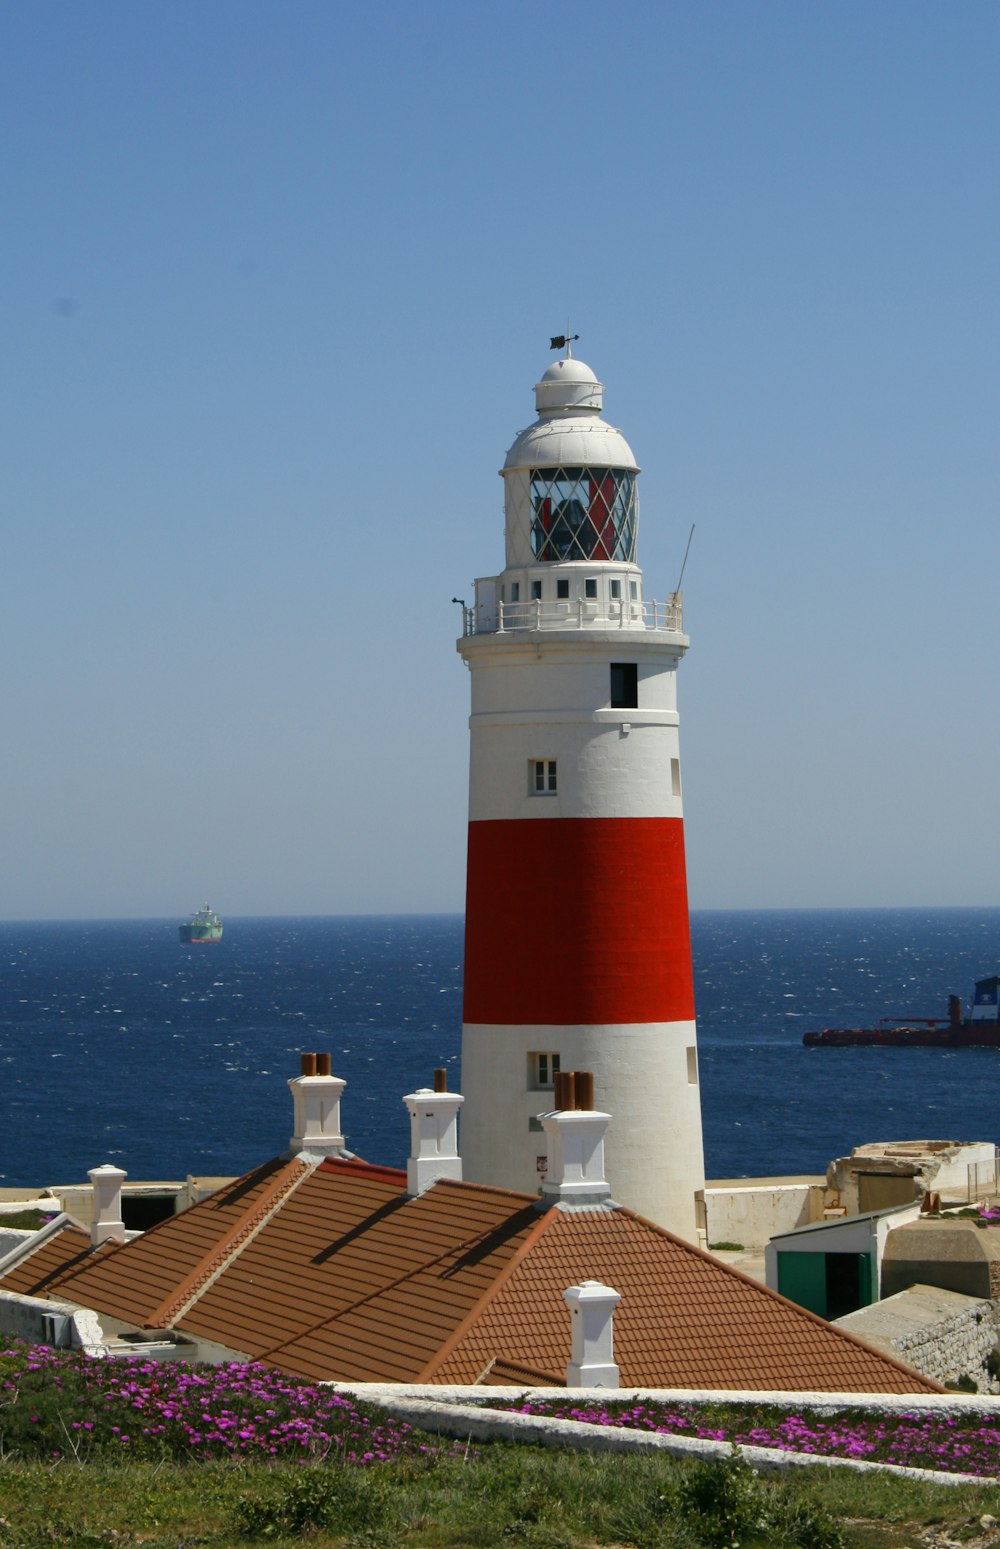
point(107, 1224)
point(433, 1138)
point(591, 1309)
point(316, 1102)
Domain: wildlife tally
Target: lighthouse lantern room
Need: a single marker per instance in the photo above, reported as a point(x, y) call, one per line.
point(577, 951)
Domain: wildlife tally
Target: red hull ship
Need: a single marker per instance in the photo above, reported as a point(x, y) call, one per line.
point(979, 1030)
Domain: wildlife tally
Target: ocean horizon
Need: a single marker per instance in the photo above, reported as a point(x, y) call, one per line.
point(118, 1044)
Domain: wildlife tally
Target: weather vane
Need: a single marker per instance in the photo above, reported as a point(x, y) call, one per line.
point(566, 339)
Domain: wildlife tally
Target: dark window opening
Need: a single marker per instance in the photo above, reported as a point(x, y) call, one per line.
point(624, 686)
point(562, 588)
point(141, 1211)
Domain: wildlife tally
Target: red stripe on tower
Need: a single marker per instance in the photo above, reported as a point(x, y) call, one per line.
point(577, 920)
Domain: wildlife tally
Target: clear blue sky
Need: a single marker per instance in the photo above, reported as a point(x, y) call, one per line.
point(275, 284)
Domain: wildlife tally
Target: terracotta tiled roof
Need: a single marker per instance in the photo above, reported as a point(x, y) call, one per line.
point(134, 1281)
point(684, 1321)
point(333, 1272)
point(38, 1271)
point(357, 1280)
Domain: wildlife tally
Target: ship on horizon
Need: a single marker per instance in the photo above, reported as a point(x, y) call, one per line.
point(204, 925)
point(979, 1029)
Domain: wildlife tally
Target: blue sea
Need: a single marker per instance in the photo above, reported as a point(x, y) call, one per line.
point(118, 1044)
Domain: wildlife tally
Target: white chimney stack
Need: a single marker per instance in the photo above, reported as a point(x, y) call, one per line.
point(591, 1309)
point(433, 1135)
point(576, 1130)
point(107, 1224)
point(316, 1099)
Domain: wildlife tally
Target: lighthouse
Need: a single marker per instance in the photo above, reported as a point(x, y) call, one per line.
point(577, 941)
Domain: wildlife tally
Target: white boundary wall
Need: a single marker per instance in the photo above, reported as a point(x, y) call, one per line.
point(465, 1413)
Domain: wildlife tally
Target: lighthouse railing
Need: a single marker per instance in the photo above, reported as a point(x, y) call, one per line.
point(584, 613)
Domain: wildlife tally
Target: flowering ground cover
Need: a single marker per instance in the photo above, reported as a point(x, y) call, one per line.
point(63, 1404)
point(962, 1443)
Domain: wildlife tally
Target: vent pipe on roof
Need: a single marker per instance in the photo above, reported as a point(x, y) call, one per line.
point(316, 1102)
point(433, 1135)
point(576, 1130)
point(592, 1361)
point(107, 1224)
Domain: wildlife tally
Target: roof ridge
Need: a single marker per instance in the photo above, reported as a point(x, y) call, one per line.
point(232, 1242)
point(759, 1285)
point(489, 1295)
point(357, 1166)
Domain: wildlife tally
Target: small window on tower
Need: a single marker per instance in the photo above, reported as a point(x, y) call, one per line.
point(542, 1070)
point(624, 686)
point(515, 591)
point(616, 591)
point(675, 777)
point(562, 588)
point(633, 590)
point(590, 587)
point(542, 776)
point(536, 591)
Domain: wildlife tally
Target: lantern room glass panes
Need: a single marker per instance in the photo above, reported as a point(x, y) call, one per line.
point(583, 513)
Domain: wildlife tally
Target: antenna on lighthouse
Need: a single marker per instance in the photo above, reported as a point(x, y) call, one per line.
point(684, 561)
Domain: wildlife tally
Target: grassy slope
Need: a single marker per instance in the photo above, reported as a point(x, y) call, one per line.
point(506, 1496)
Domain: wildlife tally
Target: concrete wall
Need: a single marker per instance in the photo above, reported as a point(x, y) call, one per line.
point(12, 1237)
point(26, 1317)
point(754, 1210)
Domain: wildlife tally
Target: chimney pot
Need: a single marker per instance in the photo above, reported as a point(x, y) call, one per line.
point(323, 1066)
point(307, 1064)
point(564, 1089)
point(583, 1085)
point(440, 1079)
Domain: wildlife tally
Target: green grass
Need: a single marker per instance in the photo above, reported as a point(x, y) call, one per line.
point(24, 1220)
point(500, 1496)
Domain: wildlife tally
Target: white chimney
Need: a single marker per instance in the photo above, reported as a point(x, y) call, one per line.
point(433, 1136)
point(575, 1172)
point(107, 1224)
point(316, 1099)
point(591, 1310)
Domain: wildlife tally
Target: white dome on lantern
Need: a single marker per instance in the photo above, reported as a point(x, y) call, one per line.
point(569, 430)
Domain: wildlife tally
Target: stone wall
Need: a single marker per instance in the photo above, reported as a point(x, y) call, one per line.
point(940, 1333)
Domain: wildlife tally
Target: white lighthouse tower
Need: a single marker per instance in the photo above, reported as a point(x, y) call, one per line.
point(577, 946)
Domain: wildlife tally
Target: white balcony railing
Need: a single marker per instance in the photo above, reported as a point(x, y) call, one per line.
point(505, 618)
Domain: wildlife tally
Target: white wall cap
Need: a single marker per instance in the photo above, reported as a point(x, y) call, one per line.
point(574, 441)
point(575, 1117)
point(591, 1291)
point(426, 1095)
point(106, 1172)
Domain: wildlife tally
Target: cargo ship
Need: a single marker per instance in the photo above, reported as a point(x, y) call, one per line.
point(203, 926)
point(979, 1029)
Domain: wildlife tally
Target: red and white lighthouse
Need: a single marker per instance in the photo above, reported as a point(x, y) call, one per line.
point(577, 944)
